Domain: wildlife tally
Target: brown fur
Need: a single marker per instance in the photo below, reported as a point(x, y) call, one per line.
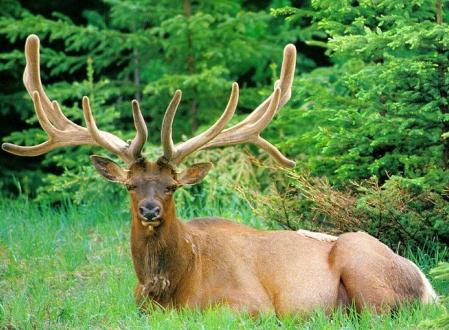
point(212, 261)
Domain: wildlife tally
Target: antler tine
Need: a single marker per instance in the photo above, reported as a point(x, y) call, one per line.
point(63, 132)
point(284, 83)
point(287, 74)
point(42, 116)
point(177, 154)
point(93, 129)
point(128, 152)
point(32, 82)
point(46, 126)
point(32, 151)
point(273, 152)
point(167, 124)
point(136, 146)
point(249, 129)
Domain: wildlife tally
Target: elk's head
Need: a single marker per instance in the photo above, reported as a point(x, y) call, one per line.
point(151, 184)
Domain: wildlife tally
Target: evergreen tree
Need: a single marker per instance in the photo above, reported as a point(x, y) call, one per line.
point(382, 109)
point(375, 123)
point(144, 50)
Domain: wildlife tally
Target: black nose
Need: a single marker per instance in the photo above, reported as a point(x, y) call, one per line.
point(149, 211)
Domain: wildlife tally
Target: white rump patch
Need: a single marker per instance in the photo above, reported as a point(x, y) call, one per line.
point(318, 236)
point(429, 296)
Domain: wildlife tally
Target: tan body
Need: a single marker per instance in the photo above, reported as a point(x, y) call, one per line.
point(273, 271)
point(211, 261)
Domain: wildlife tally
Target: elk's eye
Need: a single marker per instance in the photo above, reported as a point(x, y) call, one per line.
point(130, 187)
point(170, 189)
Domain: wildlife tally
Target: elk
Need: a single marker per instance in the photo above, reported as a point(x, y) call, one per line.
point(211, 261)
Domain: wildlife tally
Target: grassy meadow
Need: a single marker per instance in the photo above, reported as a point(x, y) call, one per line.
point(70, 267)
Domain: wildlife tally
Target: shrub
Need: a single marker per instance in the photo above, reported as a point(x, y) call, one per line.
point(396, 212)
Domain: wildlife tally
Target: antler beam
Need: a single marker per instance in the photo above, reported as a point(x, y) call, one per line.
point(246, 131)
point(63, 132)
point(177, 154)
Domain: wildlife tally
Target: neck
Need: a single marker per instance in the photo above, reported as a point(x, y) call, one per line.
point(162, 253)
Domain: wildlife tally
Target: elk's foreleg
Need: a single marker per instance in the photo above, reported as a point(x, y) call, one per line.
point(153, 291)
point(155, 287)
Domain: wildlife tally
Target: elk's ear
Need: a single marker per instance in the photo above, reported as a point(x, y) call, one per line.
point(109, 169)
point(194, 173)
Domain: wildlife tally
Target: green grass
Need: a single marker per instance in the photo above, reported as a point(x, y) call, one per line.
point(71, 268)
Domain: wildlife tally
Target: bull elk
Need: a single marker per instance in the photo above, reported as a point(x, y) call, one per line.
point(209, 261)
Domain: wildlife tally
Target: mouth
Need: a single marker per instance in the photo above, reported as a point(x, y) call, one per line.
point(155, 222)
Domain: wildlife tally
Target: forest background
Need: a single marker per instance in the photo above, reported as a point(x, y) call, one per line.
point(367, 123)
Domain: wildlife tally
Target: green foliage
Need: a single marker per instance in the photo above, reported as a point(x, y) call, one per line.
point(144, 50)
point(441, 272)
point(220, 187)
point(382, 108)
point(372, 126)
